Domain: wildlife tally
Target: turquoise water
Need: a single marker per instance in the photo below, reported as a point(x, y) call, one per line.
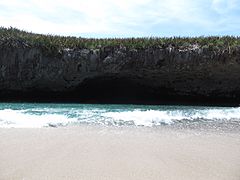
point(37, 115)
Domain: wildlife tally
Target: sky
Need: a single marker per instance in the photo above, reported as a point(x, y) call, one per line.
point(123, 18)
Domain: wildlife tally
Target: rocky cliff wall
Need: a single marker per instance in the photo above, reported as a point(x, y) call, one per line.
point(118, 74)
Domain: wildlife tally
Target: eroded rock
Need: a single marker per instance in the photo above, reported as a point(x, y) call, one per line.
point(107, 74)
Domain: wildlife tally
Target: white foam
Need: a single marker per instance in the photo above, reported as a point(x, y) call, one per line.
point(144, 118)
point(214, 114)
point(36, 118)
point(18, 119)
point(156, 117)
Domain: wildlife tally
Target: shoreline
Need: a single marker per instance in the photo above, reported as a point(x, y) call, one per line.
point(93, 152)
point(53, 98)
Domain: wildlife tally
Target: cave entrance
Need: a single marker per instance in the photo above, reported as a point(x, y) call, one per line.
point(112, 89)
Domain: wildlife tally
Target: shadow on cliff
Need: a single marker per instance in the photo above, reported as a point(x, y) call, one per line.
point(115, 90)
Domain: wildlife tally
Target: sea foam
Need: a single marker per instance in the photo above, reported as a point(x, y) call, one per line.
point(20, 119)
point(36, 116)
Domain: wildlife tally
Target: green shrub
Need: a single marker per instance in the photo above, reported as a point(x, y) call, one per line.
point(53, 43)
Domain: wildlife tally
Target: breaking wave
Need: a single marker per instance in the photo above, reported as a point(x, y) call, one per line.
point(36, 116)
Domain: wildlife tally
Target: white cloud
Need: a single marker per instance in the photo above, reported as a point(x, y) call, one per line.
point(224, 6)
point(94, 16)
point(115, 17)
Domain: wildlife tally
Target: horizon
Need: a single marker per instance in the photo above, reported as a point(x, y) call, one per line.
point(125, 19)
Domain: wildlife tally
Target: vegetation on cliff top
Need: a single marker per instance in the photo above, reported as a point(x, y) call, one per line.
point(54, 42)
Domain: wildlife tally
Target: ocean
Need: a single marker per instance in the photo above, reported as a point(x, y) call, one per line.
point(38, 115)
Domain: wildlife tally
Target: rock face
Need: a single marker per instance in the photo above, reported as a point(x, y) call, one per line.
point(120, 75)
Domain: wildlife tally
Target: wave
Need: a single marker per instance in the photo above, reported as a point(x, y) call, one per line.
point(44, 117)
point(155, 117)
point(19, 119)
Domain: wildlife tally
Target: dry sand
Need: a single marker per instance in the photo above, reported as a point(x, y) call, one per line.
point(118, 153)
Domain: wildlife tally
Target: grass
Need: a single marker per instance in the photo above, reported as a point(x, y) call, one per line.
point(53, 43)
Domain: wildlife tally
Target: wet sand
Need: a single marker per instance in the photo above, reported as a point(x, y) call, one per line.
point(90, 152)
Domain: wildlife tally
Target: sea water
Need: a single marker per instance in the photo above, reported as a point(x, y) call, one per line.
point(37, 115)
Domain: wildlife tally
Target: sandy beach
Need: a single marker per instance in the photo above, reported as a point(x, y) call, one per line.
point(90, 152)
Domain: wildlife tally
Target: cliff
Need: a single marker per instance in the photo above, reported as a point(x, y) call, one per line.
point(118, 74)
